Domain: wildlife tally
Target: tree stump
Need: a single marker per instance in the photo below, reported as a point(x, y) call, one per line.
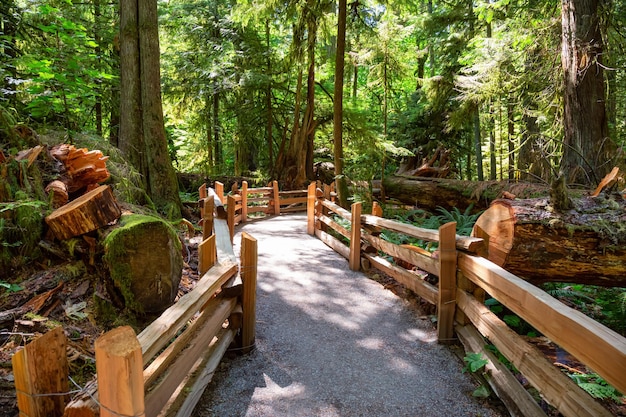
point(143, 254)
point(88, 212)
point(586, 244)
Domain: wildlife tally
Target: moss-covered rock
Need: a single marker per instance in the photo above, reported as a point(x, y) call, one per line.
point(143, 255)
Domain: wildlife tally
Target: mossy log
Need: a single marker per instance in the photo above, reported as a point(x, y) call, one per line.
point(431, 193)
point(144, 258)
point(586, 244)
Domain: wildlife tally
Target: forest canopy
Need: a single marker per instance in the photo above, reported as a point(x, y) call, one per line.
point(248, 87)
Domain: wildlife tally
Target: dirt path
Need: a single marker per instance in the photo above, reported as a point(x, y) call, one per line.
point(331, 342)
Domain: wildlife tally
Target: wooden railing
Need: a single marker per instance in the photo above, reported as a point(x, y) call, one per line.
point(168, 365)
point(464, 278)
point(244, 203)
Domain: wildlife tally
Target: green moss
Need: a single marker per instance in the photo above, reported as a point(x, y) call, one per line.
point(130, 229)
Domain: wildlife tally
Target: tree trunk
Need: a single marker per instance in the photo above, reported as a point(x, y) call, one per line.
point(584, 245)
point(342, 186)
point(587, 148)
point(478, 144)
point(131, 134)
point(268, 97)
point(431, 193)
point(163, 186)
point(143, 254)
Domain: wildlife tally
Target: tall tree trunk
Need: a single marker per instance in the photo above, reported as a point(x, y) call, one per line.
point(162, 181)
point(587, 149)
point(215, 123)
point(97, 15)
point(309, 115)
point(431, 48)
point(131, 133)
point(478, 144)
point(511, 137)
point(342, 186)
point(268, 99)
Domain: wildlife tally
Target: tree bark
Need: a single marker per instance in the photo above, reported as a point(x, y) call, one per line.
point(162, 183)
point(583, 245)
point(431, 193)
point(587, 148)
point(342, 187)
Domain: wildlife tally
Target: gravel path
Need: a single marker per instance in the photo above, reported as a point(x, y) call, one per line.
point(331, 342)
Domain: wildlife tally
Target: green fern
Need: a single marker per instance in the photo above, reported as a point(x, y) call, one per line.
point(464, 221)
point(597, 387)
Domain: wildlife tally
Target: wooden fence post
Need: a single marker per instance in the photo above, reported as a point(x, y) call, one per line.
point(244, 201)
point(207, 217)
point(446, 304)
point(276, 197)
point(355, 238)
point(219, 190)
point(377, 210)
point(311, 199)
point(41, 368)
point(230, 214)
point(207, 255)
point(201, 197)
point(119, 367)
point(248, 302)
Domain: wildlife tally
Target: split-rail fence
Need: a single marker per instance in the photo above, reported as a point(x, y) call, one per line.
point(164, 369)
point(464, 277)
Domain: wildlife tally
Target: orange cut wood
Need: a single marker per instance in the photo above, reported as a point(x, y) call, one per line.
point(88, 212)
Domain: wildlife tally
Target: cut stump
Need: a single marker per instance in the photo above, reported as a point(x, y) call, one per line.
point(143, 254)
point(88, 212)
point(584, 245)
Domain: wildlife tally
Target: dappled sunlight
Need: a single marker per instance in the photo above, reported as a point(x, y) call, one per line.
point(321, 325)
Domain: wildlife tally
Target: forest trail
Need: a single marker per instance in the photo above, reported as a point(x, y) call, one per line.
point(332, 342)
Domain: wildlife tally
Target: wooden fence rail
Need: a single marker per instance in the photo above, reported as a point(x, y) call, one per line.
point(464, 278)
point(163, 370)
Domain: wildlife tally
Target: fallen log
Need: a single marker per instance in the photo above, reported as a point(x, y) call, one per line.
point(586, 244)
point(431, 193)
point(88, 212)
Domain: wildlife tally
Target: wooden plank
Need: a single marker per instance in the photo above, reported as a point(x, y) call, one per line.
point(259, 190)
point(276, 197)
point(257, 209)
point(158, 333)
point(446, 304)
point(355, 237)
point(41, 368)
point(515, 397)
point(377, 210)
point(265, 199)
point(337, 209)
point(248, 300)
point(413, 282)
point(292, 200)
point(423, 262)
point(293, 209)
point(335, 226)
point(302, 193)
point(119, 368)
point(334, 243)
point(225, 251)
point(244, 201)
point(160, 364)
point(310, 208)
point(202, 196)
point(597, 346)
point(464, 243)
point(159, 395)
point(207, 255)
point(207, 219)
point(235, 320)
point(230, 212)
point(198, 383)
point(219, 190)
point(553, 385)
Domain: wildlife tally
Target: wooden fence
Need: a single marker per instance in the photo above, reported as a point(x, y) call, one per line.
point(464, 278)
point(244, 203)
point(163, 370)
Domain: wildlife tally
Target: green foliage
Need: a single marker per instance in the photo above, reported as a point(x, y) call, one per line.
point(597, 387)
point(464, 221)
point(474, 362)
point(10, 287)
